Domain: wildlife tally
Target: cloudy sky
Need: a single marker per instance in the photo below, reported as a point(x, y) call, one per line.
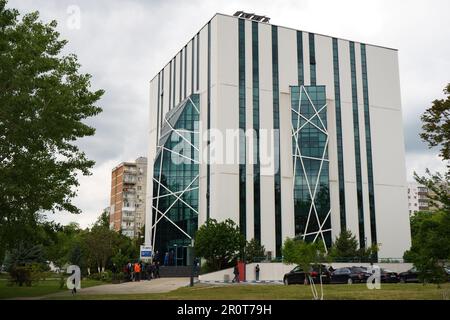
point(123, 44)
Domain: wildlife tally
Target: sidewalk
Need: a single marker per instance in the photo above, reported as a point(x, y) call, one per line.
point(160, 285)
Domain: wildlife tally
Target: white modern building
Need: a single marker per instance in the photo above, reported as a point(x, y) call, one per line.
point(323, 147)
point(417, 198)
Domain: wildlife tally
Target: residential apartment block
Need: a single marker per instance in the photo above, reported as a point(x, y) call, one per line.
point(128, 192)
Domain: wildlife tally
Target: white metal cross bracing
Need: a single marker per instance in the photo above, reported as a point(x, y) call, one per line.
point(312, 189)
point(177, 194)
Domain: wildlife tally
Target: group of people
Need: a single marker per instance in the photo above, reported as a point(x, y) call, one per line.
point(141, 271)
point(169, 258)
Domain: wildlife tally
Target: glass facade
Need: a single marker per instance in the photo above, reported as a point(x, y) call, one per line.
point(311, 164)
point(340, 149)
point(175, 181)
point(276, 127)
point(373, 226)
point(242, 127)
point(300, 70)
point(312, 58)
point(359, 190)
point(256, 168)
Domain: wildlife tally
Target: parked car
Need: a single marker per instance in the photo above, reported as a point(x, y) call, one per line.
point(409, 276)
point(388, 276)
point(412, 275)
point(349, 275)
point(297, 275)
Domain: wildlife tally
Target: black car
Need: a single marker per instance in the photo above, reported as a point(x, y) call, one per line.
point(349, 275)
point(412, 275)
point(297, 275)
point(388, 276)
point(409, 276)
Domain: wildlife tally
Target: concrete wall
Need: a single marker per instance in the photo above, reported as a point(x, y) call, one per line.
point(276, 271)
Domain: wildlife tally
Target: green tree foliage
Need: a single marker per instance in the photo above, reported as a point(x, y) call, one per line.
point(345, 247)
point(254, 251)
point(303, 253)
point(25, 262)
point(43, 103)
point(103, 219)
point(220, 243)
point(436, 125)
point(430, 244)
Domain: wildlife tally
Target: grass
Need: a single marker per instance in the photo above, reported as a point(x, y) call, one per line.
point(41, 288)
point(279, 292)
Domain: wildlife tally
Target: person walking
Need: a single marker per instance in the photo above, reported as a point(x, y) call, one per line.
point(137, 271)
point(236, 274)
point(166, 259)
point(257, 272)
point(130, 271)
point(144, 267)
point(156, 269)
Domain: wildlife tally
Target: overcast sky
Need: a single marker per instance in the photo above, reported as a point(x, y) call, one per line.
point(123, 44)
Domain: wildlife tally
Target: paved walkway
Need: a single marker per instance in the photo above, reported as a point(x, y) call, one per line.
point(160, 285)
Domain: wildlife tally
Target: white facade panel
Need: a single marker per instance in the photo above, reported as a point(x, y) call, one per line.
point(287, 59)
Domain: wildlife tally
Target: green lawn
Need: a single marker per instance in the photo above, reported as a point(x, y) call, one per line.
point(269, 292)
point(40, 289)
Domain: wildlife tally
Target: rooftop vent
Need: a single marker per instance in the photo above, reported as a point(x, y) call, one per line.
point(251, 16)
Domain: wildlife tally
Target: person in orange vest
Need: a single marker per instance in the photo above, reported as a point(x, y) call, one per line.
point(137, 271)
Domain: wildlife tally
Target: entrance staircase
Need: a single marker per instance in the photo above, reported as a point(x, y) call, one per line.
point(175, 272)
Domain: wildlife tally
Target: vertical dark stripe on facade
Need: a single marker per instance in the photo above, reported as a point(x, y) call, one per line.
point(192, 67)
point(208, 178)
point(185, 72)
point(198, 61)
point(359, 190)
point(157, 108)
point(170, 85)
point(161, 108)
point(180, 97)
point(256, 168)
point(312, 58)
point(300, 68)
point(242, 123)
point(340, 149)
point(276, 127)
point(174, 80)
point(373, 226)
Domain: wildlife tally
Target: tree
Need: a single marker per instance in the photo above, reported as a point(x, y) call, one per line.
point(345, 247)
point(219, 243)
point(436, 125)
point(430, 244)
point(305, 255)
point(43, 103)
point(254, 251)
point(24, 261)
point(99, 243)
point(103, 219)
